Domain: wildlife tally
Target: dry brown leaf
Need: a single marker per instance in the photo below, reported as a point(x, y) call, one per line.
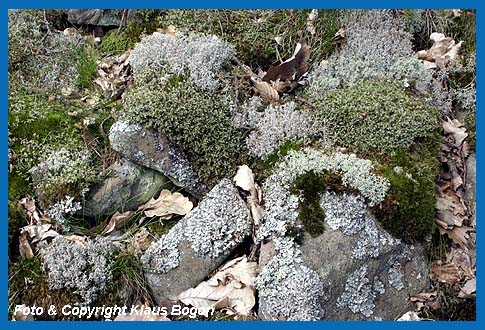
point(446, 273)
point(293, 68)
point(141, 240)
point(423, 296)
point(117, 221)
point(465, 260)
point(265, 90)
point(231, 289)
point(35, 216)
point(410, 316)
point(38, 233)
point(443, 51)
point(24, 246)
point(245, 180)
point(469, 289)
point(455, 128)
point(339, 36)
point(166, 205)
point(83, 240)
point(170, 30)
point(459, 235)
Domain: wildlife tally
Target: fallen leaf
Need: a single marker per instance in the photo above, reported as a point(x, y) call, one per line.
point(410, 316)
point(339, 36)
point(455, 128)
point(24, 246)
point(117, 221)
point(170, 30)
point(443, 51)
point(469, 289)
point(291, 69)
point(166, 205)
point(141, 240)
point(231, 289)
point(446, 273)
point(265, 90)
point(459, 235)
point(39, 233)
point(28, 203)
point(245, 180)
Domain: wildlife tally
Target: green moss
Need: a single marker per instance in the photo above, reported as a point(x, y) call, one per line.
point(116, 42)
point(263, 168)
point(310, 185)
point(252, 32)
point(198, 121)
point(376, 115)
point(409, 208)
point(38, 128)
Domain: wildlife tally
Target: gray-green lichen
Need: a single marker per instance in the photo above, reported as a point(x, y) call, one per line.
point(281, 206)
point(202, 56)
point(287, 288)
point(215, 227)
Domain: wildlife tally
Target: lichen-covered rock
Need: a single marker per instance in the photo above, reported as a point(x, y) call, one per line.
point(367, 274)
point(148, 148)
point(125, 188)
point(321, 279)
point(198, 243)
point(354, 270)
point(99, 17)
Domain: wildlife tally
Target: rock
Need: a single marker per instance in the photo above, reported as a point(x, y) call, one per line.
point(471, 186)
point(126, 187)
point(364, 272)
point(198, 243)
point(98, 17)
point(148, 148)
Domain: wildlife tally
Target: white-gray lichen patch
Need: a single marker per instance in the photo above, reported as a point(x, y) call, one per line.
point(219, 223)
point(359, 293)
point(276, 125)
point(394, 274)
point(202, 56)
point(215, 227)
point(281, 207)
point(83, 267)
point(350, 215)
point(287, 288)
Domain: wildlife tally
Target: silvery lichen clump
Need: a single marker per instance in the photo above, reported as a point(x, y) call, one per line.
point(84, 267)
point(359, 293)
point(60, 211)
point(286, 279)
point(280, 206)
point(276, 125)
point(24, 34)
point(215, 227)
point(349, 214)
point(377, 47)
point(62, 167)
point(202, 56)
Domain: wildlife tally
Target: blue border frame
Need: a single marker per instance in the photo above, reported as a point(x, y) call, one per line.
point(238, 4)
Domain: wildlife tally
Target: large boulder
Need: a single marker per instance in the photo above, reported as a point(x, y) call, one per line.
point(126, 187)
point(198, 243)
point(148, 148)
point(98, 17)
point(364, 273)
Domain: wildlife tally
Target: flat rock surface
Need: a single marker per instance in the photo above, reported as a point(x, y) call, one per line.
point(126, 187)
point(198, 243)
point(99, 17)
point(148, 148)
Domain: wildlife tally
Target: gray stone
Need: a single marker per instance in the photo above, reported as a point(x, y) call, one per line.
point(364, 272)
point(198, 243)
point(471, 187)
point(126, 187)
point(98, 17)
point(148, 148)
